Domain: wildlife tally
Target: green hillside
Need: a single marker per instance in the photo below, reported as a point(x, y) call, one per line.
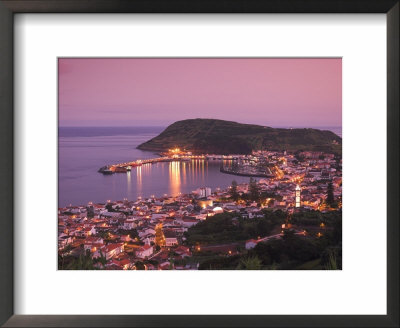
point(210, 136)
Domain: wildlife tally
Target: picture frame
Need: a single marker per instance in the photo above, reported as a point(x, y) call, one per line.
point(7, 10)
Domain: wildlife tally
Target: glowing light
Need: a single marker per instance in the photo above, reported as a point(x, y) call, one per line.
point(175, 178)
point(184, 172)
point(175, 150)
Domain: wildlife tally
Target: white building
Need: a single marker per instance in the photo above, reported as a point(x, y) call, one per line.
point(203, 192)
point(129, 224)
point(144, 251)
point(298, 196)
point(170, 238)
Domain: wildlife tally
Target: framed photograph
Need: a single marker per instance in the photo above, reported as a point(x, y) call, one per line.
point(194, 181)
point(199, 163)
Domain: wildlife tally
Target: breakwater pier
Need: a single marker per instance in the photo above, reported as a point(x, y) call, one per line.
point(127, 166)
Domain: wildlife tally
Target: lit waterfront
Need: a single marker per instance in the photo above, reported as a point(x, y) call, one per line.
point(80, 158)
point(156, 179)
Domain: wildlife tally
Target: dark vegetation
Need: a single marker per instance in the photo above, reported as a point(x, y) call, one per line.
point(229, 227)
point(319, 249)
point(83, 261)
point(210, 136)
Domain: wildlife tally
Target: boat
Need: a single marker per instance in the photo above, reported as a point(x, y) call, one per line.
point(105, 170)
point(120, 169)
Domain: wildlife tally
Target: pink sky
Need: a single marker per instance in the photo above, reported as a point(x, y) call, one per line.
point(158, 92)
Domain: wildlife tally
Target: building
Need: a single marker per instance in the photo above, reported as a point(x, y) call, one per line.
point(298, 196)
point(218, 210)
point(112, 250)
point(204, 192)
point(170, 238)
point(144, 251)
point(129, 224)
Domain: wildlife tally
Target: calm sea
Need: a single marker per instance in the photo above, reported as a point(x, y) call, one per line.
point(82, 151)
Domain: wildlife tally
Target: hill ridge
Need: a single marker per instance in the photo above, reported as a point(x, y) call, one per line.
point(215, 136)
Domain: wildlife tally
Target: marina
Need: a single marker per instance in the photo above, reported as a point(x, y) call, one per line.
point(173, 155)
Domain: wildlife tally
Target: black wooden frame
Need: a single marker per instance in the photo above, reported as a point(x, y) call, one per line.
point(7, 10)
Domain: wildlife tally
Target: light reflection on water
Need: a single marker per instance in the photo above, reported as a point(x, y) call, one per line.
point(80, 158)
point(182, 177)
point(174, 178)
point(138, 181)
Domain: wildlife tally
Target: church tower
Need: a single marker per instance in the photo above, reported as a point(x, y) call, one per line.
point(298, 196)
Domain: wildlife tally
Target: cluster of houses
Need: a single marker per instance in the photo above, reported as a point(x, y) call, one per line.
point(312, 171)
point(149, 233)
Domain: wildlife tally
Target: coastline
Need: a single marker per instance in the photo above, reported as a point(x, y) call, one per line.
point(222, 170)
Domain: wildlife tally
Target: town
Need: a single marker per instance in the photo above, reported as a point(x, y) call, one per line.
point(295, 202)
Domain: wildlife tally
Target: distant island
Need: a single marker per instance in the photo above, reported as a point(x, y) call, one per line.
point(212, 136)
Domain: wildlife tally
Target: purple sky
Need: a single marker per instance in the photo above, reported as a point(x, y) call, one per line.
point(268, 91)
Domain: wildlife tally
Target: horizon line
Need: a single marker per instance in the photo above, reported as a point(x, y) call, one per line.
point(163, 126)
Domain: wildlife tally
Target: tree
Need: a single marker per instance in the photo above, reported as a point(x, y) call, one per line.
point(250, 263)
point(233, 191)
point(60, 262)
point(109, 208)
point(83, 262)
point(332, 262)
point(171, 264)
point(299, 157)
point(90, 211)
point(329, 197)
point(132, 233)
point(139, 265)
point(102, 259)
point(254, 190)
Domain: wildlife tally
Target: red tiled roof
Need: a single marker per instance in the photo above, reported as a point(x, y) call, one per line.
point(111, 247)
point(144, 248)
point(121, 262)
point(181, 249)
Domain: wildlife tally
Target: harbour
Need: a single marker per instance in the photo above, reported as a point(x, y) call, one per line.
point(81, 157)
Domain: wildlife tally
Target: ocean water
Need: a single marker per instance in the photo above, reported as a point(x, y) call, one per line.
point(82, 151)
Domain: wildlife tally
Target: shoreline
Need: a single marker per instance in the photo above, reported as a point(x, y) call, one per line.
point(260, 175)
